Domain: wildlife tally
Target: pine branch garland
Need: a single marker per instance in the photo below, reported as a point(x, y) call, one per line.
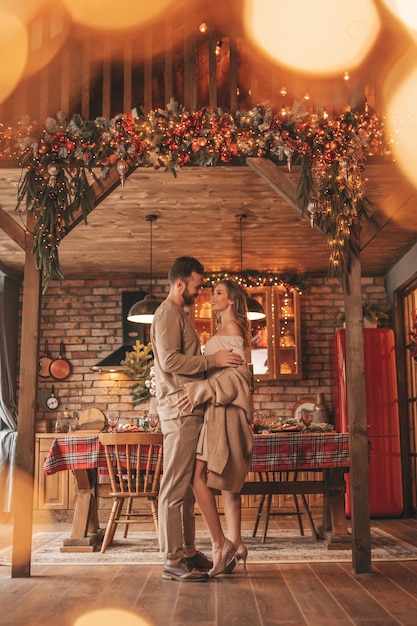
point(59, 160)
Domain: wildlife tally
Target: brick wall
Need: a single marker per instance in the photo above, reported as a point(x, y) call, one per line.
point(87, 316)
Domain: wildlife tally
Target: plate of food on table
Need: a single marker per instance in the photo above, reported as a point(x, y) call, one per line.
point(291, 425)
point(133, 428)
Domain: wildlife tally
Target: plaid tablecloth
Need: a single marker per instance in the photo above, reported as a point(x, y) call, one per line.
point(274, 452)
point(295, 451)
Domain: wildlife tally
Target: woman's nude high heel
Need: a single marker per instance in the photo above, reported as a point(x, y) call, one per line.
point(240, 556)
point(226, 557)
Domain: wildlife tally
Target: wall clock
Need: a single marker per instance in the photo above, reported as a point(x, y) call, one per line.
point(52, 401)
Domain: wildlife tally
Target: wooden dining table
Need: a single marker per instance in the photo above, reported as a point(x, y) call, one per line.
point(324, 454)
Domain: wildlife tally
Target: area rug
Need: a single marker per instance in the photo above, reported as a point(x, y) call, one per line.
point(282, 546)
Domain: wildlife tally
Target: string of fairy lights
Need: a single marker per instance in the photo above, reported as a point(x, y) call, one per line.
point(59, 159)
point(253, 278)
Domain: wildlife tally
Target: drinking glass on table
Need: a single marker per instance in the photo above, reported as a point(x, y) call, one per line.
point(153, 417)
point(306, 417)
point(112, 419)
point(153, 420)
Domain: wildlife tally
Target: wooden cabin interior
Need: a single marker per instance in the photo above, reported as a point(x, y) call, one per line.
point(218, 190)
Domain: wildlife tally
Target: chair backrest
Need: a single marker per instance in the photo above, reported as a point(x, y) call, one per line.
point(134, 461)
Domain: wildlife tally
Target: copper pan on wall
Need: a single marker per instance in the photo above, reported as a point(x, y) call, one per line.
point(60, 368)
point(45, 362)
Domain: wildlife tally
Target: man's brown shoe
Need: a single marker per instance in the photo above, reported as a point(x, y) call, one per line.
point(182, 572)
point(199, 561)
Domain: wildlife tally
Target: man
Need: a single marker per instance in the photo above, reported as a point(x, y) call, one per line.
point(178, 359)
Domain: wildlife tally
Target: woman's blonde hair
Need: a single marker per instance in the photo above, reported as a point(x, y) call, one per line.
point(239, 308)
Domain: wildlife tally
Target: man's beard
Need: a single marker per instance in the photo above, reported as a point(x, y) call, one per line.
point(187, 297)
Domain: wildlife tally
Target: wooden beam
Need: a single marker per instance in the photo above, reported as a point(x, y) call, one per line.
point(12, 229)
point(358, 434)
point(23, 483)
point(101, 191)
point(275, 177)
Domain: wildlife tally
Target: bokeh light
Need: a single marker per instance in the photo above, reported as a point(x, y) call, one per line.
point(401, 113)
point(110, 617)
point(111, 15)
point(323, 37)
point(13, 51)
point(406, 11)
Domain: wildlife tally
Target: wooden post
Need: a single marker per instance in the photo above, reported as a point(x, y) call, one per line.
point(86, 77)
point(106, 91)
point(212, 69)
point(233, 69)
point(358, 438)
point(23, 481)
point(127, 76)
point(147, 71)
point(169, 66)
point(190, 59)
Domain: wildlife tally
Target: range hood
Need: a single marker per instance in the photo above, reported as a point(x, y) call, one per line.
point(131, 333)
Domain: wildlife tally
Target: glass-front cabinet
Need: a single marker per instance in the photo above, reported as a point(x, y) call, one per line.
point(287, 332)
point(276, 339)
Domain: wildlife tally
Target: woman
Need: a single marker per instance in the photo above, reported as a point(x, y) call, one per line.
point(225, 446)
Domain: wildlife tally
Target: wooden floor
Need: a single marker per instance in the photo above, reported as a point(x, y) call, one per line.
point(316, 593)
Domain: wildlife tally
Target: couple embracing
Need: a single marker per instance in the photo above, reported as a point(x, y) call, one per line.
point(205, 408)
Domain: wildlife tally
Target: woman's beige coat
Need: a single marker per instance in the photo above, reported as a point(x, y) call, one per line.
point(229, 413)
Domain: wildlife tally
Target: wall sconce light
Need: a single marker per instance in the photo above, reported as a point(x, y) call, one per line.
point(346, 76)
point(203, 27)
point(283, 91)
point(218, 47)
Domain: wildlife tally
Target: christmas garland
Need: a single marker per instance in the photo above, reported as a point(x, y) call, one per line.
point(59, 160)
point(254, 278)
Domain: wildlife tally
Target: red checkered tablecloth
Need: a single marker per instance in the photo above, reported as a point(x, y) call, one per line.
point(295, 451)
point(272, 452)
point(75, 452)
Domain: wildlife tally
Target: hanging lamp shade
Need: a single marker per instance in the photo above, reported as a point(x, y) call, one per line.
point(255, 308)
point(142, 312)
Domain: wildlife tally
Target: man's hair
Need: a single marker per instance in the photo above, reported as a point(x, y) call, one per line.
point(183, 267)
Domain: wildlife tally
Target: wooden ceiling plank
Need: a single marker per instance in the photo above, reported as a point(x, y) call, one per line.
point(384, 213)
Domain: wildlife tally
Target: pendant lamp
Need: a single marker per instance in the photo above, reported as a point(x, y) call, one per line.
point(255, 308)
point(142, 312)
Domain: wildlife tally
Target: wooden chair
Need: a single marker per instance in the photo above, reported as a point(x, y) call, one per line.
point(134, 462)
point(281, 476)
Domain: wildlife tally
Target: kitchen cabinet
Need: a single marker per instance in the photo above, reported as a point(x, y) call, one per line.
point(54, 492)
point(287, 331)
point(276, 340)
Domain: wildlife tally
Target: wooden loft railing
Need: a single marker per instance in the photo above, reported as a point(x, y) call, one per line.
point(106, 74)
